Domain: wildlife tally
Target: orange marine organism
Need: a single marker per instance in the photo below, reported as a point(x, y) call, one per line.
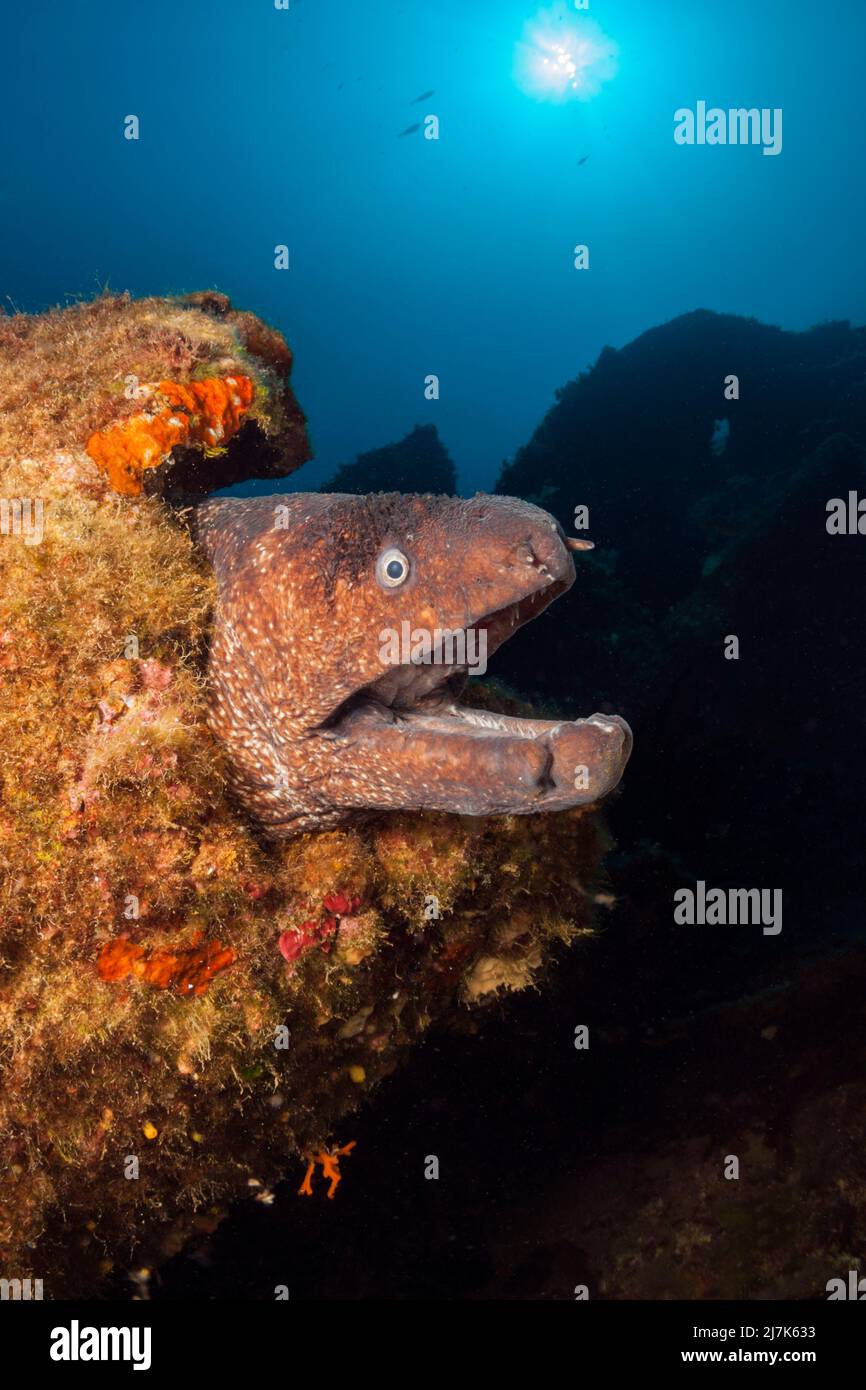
point(188, 970)
point(330, 1165)
point(198, 413)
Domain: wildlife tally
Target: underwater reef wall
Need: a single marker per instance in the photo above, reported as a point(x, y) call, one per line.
point(637, 439)
point(189, 1013)
point(702, 535)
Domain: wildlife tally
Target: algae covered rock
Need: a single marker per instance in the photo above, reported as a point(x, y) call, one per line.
point(187, 1009)
point(163, 395)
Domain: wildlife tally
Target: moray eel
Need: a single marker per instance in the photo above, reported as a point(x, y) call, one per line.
point(322, 715)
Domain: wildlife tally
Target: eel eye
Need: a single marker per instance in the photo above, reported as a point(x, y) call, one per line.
point(392, 568)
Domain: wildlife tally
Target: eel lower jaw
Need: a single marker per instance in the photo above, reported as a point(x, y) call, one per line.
point(561, 762)
point(477, 762)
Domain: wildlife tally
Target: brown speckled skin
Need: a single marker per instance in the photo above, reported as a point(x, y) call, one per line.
point(316, 726)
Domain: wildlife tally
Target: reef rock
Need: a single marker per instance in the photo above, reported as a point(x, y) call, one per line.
point(636, 437)
point(743, 758)
point(187, 1010)
point(149, 396)
point(417, 463)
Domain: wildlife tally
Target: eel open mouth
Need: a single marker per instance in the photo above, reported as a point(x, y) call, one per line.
point(452, 757)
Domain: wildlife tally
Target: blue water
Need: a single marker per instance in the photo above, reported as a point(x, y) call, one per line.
point(410, 256)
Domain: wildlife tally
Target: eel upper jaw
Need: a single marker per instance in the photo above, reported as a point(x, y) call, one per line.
point(430, 690)
point(455, 758)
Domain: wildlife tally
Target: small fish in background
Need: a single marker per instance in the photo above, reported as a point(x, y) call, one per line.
point(422, 97)
point(719, 439)
point(410, 130)
point(583, 161)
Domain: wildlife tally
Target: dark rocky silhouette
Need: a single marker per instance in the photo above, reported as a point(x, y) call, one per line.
point(631, 438)
point(744, 772)
point(417, 463)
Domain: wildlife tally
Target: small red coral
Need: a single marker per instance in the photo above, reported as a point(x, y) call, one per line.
point(295, 941)
point(341, 904)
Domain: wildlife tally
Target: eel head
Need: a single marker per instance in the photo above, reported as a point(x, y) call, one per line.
point(346, 629)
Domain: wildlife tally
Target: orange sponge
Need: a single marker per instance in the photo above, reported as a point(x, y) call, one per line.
point(188, 971)
point(205, 413)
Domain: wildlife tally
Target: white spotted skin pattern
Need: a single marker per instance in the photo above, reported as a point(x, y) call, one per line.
point(316, 726)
